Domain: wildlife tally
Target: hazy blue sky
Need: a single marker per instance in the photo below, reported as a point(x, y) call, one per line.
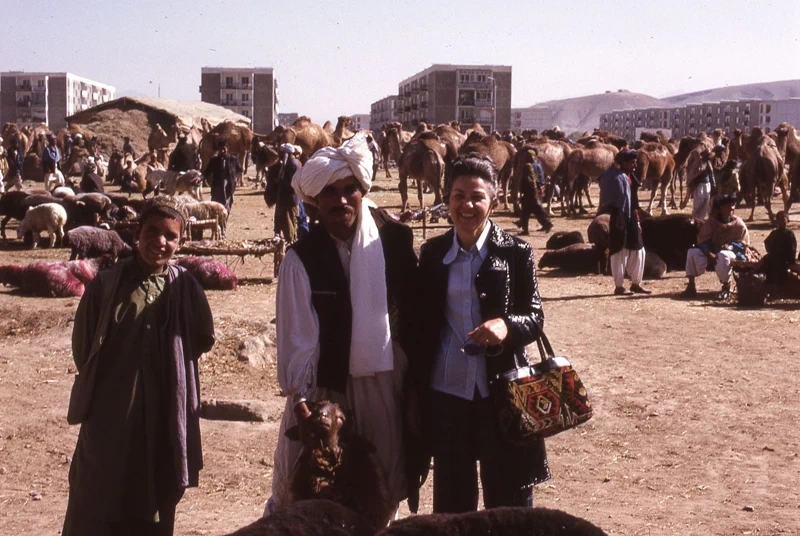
point(334, 58)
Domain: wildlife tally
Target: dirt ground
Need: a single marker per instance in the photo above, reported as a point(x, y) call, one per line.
point(696, 403)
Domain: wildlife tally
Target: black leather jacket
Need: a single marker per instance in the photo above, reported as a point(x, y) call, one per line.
point(507, 288)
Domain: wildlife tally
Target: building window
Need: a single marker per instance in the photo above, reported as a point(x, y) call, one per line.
point(466, 97)
point(464, 77)
point(484, 95)
point(229, 81)
point(245, 81)
point(767, 120)
point(229, 98)
point(245, 97)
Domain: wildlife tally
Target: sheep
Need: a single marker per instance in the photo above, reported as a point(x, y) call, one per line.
point(504, 520)
point(87, 242)
point(210, 273)
point(563, 239)
point(310, 518)
point(338, 464)
point(53, 279)
point(577, 258)
point(16, 204)
point(599, 230)
point(174, 182)
point(63, 191)
point(208, 210)
point(88, 209)
point(670, 237)
point(654, 266)
point(50, 217)
point(133, 202)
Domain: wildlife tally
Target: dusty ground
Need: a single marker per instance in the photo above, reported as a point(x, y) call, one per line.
point(696, 405)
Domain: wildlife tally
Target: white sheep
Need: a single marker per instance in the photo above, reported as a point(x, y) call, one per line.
point(50, 217)
point(63, 191)
point(208, 210)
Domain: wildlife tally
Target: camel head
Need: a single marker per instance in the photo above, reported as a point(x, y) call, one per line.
point(344, 121)
point(474, 137)
point(456, 125)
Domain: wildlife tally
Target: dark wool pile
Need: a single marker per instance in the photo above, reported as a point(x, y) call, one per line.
point(210, 273)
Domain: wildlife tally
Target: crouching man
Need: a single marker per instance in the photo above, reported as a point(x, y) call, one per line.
point(721, 239)
point(344, 311)
point(139, 330)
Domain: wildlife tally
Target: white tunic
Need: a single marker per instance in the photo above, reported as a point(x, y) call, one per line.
point(375, 401)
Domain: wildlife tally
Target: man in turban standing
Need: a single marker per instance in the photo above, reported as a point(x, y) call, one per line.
point(344, 312)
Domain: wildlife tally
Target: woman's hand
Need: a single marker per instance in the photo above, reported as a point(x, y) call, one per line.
point(490, 333)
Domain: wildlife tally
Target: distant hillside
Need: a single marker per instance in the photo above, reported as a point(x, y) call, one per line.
point(784, 89)
point(583, 113)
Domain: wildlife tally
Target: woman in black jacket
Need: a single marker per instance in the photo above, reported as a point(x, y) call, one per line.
point(480, 307)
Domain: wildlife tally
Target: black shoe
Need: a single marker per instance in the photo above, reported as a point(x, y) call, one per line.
point(637, 289)
point(518, 223)
point(690, 292)
point(546, 228)
point(620, 291)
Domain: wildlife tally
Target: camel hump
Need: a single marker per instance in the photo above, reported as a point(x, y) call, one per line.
point(427, 135)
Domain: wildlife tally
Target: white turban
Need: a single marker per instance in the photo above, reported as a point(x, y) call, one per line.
point(330, 164)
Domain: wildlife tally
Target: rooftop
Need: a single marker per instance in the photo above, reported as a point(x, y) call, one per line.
point(450, 67)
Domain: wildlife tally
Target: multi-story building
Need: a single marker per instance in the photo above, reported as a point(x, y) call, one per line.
point(34, 98)
point(250, 91)
point(361, 121)
point(691, 119)
point(469, 93)
point(287, 120)
point(383, 111)
point(534, 118)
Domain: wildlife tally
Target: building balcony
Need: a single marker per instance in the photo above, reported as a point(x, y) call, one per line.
point(423, 87)
point(483, 102)
point(23, 87)
point(407, 109)
point(415, 106)
point(480, 85)
point(39, 89)
point(423, 104)
point(23, 104)
point(235, 85)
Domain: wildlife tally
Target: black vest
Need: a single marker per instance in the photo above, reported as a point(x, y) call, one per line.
point(330, 293)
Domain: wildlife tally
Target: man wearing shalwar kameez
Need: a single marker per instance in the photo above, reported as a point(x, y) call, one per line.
point(344, 312)
point(139, 330)
point(625, 234)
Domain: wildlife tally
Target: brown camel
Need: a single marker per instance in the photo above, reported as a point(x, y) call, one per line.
point(656, 165)
point(422, 159)
point(501, 152)
point(238, 138)
point(476, 127)
point(11, 132)
point(342, 133)
point(452, 138)
point(736, 146)
point(583, 165)
point(764, 169)
point(787, 141)
point(393, 141)
point(309, 136)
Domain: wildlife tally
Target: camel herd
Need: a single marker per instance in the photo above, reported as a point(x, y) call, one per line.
point(424, 155)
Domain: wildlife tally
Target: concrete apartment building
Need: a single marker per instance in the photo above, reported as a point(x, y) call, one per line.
point(383, 111)
point(287, 120)
point(249, 91)
point(468, 93)
point(34, 98)
point(692, 119)
point(361, 121)
point(533, 118)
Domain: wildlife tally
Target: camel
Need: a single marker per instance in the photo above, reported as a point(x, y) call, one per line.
point(583, 165)
point(263, 156)
point(737, 144)
point(11, 132)
point(656, 164)
point(605, 137)
point(551, 154)
point(788, 142)
point(476, 127)
point(309, 136)
point(764, 168)
point(342, 133)
point(501, 152)
point(393, 141)
point(422, 159)
point(238, 138)
point(452, 138)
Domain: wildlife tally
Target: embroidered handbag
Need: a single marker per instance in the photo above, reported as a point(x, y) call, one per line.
point(537, 401)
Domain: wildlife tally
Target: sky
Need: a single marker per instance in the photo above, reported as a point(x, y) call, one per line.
point(336, 58)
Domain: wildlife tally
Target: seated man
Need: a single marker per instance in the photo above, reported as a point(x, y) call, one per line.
point(781, 246)
point(721, 239)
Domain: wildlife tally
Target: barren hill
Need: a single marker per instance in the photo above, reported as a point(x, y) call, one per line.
point(784, 89)
point(583, 113)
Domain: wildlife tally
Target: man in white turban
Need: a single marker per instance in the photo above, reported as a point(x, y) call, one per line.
point(336, 337)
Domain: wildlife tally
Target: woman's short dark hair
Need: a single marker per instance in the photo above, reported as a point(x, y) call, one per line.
point(472, 164)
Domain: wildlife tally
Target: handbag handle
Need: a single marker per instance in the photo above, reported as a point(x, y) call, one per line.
point(545, 349)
